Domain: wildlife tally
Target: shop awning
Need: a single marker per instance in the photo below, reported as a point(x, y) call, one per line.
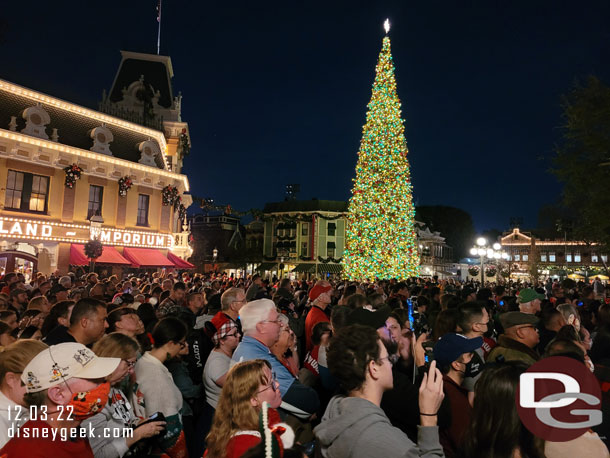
point(305, 268)
point(330, 268)
point(266, 266)
point(146, 257)
point(179, 262)
point(110, 255)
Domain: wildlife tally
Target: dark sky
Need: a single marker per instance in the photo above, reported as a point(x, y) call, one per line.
point(276, 93)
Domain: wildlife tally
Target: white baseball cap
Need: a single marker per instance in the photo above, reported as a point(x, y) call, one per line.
point(64, 361)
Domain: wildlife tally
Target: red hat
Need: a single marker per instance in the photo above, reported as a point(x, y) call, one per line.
point(318, 289)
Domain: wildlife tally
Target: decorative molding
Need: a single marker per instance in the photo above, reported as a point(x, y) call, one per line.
point(36, 120)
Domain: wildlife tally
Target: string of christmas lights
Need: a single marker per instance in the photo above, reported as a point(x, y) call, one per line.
point(380, 233)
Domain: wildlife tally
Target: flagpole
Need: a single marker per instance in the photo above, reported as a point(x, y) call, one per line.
point(159, 32)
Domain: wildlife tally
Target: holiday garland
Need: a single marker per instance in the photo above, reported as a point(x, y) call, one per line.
point(93, 249)
point(73, 173)
point(183, 143)
point(125, 184)
point(330, 259)
point(171, 195)
point(181, 212)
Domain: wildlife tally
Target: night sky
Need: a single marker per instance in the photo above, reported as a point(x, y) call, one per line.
point(276, 93)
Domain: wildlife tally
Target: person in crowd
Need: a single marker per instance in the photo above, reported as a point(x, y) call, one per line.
point(309, 374)
point(40, 303)
point(232, 301)
point(157, 385)
point(445, 322)
point(18, 300)
point(255, 288)
point(59, 292)
point(10, 278)
point(235, 427)
point(529, 301)
point(473, 321)
point(120, 410)
point(30, 332)
point(356, 301)
point(87, 324)
point(354, 424)
point(320, 297)
point(58, 316)
point(51, 378)
point(126, 321)
point(453, 354)
point(6, 335)
point(173, 303)
point(285, 349)
point(570, 315)
point(552, 321)
point(495, 429)
point(519, 340)
point(10, 318)
point(65, 281)
point(399, 328)
point(262, 326)
point(13, 360)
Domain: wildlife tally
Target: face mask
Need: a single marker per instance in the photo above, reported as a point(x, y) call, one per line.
point(88, 403)
point(490, 329)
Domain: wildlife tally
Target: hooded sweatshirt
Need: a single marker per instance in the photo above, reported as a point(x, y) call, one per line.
point(354, 427)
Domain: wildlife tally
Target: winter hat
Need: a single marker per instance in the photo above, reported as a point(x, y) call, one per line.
point(317, 290)
point(275, 436)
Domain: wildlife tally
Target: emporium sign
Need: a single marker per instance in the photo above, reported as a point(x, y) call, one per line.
point(26, 229)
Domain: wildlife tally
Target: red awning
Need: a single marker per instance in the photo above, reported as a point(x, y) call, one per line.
point(110, 255)
point(179, 262)
point(146, 257)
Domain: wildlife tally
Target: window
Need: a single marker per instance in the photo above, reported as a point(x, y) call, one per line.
point(331, 229)
point(304, 249)
point(568, 257)
point(552, 256)
point(330, 249)
point(604, 257)
point(96, 194)
point(517, 257)
point(594, 257)
point(577, 256)
point(143, 210)
point(525, 256)
point(304, 229)
point(543, 257)
point(26, 192)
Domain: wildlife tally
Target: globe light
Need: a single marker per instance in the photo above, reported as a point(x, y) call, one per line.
point(504, 255)
point(497, 255)
point(481, 241)
point(497, 246)
point(481, 252)
point(474, 251)
point(490, 253)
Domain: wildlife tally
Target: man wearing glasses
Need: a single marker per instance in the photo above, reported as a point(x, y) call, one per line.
point(261, 326)
point(519, 340)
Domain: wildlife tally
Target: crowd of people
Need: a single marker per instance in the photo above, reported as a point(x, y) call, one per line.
point(193, 365)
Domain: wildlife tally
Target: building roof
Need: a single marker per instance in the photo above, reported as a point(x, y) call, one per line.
point(313, 205)
point(74, 123)
point(157, 71)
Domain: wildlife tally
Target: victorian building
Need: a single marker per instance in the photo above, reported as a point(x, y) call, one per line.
point(69, 174)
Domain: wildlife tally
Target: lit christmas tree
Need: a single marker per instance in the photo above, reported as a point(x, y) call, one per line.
point(381, 239)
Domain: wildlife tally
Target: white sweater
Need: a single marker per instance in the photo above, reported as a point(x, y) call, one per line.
point(158, 387)
point(5, 423)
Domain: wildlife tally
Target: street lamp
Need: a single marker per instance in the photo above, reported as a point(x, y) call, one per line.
point(95, 226)
point(482, 250)
point(214, 257)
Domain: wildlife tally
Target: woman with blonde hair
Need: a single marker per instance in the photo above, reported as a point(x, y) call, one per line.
point(235, 426)
point(122, 410)
point(13, 360)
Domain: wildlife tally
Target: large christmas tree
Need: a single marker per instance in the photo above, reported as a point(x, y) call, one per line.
point(381, 239)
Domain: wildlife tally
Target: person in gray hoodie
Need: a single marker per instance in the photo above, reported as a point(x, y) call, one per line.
point(354, 425)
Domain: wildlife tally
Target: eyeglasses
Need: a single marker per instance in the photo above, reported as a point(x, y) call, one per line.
point(235, 334)
point(529, 326)
point(389, 358)
point(274, 385)
point(130, 364)
point(182, 344)
point(279, 322)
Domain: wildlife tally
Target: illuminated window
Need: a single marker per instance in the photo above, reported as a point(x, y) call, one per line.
point(568, 257)
point(26, 192)
point(552, 256)
point(594, 257)
point(96, 195)
point(604, 257)
point(577, 256)
point(543, 257)
point(143, 200)
point(304, 229)
point(517, 257)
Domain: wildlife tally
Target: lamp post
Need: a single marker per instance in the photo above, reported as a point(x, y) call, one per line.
point(482, 250)
point(214, 257)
